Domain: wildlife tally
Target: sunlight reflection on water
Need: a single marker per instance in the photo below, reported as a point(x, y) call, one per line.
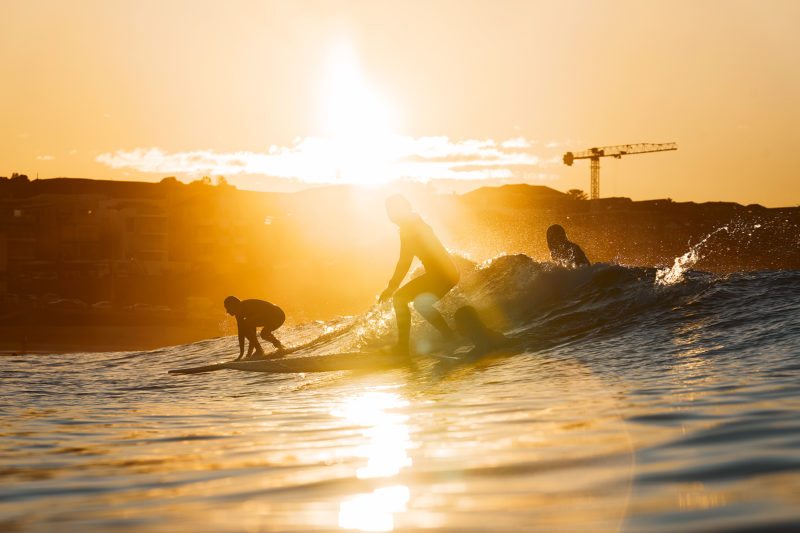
point(375, 511)
point(687, 419)
point(386, 452)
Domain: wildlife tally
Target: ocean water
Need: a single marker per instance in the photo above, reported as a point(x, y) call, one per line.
point(637, 400)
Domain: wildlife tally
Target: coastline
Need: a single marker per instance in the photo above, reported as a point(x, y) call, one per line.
point(35, 339)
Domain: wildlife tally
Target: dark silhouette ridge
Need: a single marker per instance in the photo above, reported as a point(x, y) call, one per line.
point(515, 196)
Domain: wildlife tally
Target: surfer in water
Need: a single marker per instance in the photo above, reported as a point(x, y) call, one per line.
point(563, 251)
point(441, 274)
point(251, 314)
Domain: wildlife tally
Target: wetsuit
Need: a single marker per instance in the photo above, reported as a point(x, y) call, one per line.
point(441, 274)
point(569, 254)
point(254, 313)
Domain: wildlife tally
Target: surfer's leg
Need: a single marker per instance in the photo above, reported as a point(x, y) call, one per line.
point(249, 332)
point(267, 335)
point(423, 303)
point(432, 288)
point(270, 323)
point(400, 301)
point(425, 291)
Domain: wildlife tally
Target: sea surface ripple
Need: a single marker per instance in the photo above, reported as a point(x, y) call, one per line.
point(630, 405)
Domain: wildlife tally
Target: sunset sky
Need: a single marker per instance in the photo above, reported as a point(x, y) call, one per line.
point(278, 95)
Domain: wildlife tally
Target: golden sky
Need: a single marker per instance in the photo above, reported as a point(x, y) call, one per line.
point(274, 95)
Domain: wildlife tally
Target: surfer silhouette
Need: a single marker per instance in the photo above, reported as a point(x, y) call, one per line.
point(563, 251)
point(441, 274)
point(251, 314)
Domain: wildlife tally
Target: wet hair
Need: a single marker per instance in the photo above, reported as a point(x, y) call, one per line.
point(556, 235)
point(398, 207)
point(231, 301)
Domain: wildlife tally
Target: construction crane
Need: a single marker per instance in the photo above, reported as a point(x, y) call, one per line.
point(594, 155)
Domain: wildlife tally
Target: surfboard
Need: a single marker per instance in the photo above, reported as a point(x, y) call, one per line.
point(472, 356)
point(270, 355)
point(199, 369)
point(315, 363)
point(467, 320)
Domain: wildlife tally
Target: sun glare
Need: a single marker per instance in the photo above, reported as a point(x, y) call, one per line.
point(385, 448)
point(358, 121)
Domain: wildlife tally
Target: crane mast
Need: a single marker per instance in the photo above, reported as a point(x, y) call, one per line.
point(594, 155)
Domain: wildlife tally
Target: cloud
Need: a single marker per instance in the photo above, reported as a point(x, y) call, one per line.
point(365, 160)
point(45, 157)
point(518, 142)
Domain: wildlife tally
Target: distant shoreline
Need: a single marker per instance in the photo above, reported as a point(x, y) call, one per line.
point(28, 340)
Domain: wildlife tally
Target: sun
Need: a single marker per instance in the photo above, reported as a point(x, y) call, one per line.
point(358, 121)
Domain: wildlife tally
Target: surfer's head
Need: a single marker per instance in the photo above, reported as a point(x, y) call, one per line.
point(232, 304)
point(556, 236)
point(398, 208)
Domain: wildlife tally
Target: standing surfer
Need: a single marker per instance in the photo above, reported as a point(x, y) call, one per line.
point(441, 274)
point(251, 314)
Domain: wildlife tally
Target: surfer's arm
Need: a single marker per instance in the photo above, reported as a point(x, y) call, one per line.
point(400, 271)
point(574, 256)
point(580, 257)
point(240, 329)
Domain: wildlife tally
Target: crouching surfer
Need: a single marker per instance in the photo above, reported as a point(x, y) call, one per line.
point(563, 251)
point(441, 274)
point(251, 314)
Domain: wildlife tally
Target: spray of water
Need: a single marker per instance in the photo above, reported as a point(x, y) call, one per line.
point(372, 325)
point(671, 275)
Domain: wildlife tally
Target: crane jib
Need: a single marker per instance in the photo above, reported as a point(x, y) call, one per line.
point(594, 155)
